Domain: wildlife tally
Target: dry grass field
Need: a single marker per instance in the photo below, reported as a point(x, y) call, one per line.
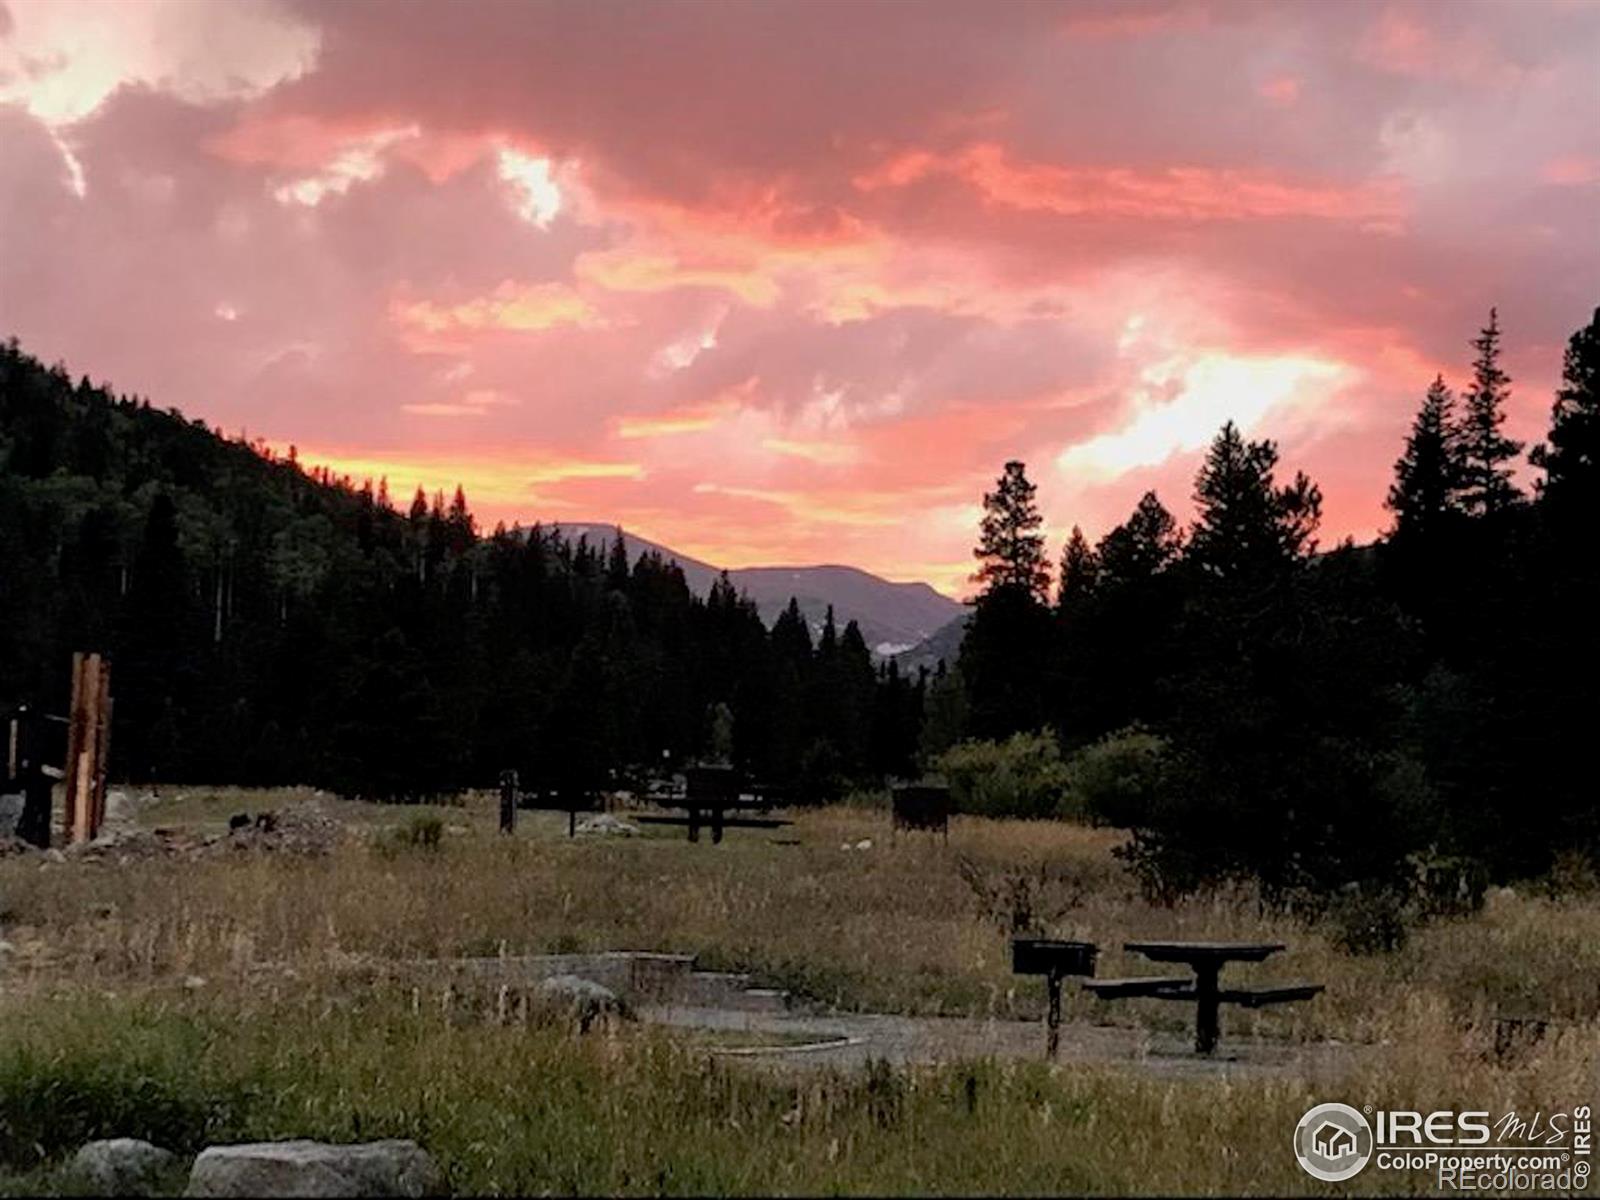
point(198, 998)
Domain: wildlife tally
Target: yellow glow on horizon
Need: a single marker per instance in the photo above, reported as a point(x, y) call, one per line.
point(496, 479)
point(1204, 394)
point(827, 454)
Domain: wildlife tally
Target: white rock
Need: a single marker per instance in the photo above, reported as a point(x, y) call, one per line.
point(864, 844)
point(606, 824)
point(122, 1167)
point(304, 1168)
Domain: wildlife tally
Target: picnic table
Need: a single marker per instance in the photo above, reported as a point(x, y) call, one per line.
point(710, 794)
point(714, 814)
point(1205, 960)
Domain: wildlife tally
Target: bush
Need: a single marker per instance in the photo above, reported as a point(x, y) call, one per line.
point(1117, 780)
point(73, 1089)
point(421, 831)
point(1022, 776)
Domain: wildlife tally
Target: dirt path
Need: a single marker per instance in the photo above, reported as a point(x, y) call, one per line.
point(849, 1039)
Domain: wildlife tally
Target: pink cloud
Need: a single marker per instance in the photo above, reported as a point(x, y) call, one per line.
point(758, 281)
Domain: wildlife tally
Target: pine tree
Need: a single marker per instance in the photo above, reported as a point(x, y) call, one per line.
point(1571, 460)
point(1246, 523)
point(1141, 547)
point(791, 637)
point(1011, 548)
point(617, 573)
point(1004, 656)
point(1424, 493)
point(1484, 454)
point(1080, 570)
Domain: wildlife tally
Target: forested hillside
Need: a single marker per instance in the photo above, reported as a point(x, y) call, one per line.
point(267, 625)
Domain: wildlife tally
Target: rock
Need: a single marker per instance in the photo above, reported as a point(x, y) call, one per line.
point(605, 824)
point(119, 807)
point(10, 813)
point(587, 1000)
point(304, 1168)
point(864, 844)
point(122, 1167)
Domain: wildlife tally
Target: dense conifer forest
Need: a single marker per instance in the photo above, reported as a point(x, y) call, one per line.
point(270, 625)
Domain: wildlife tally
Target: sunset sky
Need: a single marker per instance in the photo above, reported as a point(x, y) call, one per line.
point(788, 283)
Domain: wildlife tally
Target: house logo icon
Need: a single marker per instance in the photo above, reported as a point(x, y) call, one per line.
point(1333, 1142)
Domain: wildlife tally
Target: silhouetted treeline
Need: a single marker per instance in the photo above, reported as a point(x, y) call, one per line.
point(1419, 709)
point(271, 626)
point(1413, 713)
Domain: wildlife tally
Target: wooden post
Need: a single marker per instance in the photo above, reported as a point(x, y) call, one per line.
point(102, 743)
point(88, 733)
point(1052, 1041)
point(77, 716)
point(508, 801)
point(1205, 1018)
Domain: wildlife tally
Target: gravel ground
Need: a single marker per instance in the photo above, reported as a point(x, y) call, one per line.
point(849, 1039)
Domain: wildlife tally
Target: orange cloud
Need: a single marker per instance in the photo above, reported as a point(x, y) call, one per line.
point(630, 270)
point(827, 454)
point(511, 307)
point(1130, 20)
point(1171, 193)
point(873, 509)
point(1282, 90)
point(1400, 43)
point(476, 403)
point(496, 480)
point(1571, 170)
point(689, 418)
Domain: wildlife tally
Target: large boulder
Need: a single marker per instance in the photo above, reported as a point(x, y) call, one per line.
point(303, 1168)
point(122, 1167)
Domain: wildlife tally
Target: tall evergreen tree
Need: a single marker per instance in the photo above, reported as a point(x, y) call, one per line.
point(1484, 454)
point(1142, 546)
point(1080, 570)
point(1571, 459)
point(1245, 523)
point(1010, 550)
point(1426, 483)
point(1005, 655)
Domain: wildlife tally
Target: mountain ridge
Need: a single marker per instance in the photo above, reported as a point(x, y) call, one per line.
point(894, 617)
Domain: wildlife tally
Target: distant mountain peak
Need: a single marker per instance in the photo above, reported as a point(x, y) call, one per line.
point(892, 616)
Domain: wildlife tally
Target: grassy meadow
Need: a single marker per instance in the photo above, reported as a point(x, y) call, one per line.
point(209, 999)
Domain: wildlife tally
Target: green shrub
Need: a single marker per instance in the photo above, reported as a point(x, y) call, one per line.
point(72, 1089)
point(1117, 780)
point(420, 831)
point(1022, 776)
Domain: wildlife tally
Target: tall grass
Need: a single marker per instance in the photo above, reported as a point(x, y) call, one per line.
point(536, 1110)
